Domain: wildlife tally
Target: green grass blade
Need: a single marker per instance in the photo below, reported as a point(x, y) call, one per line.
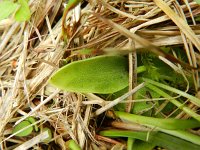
point(121, 133)
point(130, 143)
point(173, 143)
point(156, 138)
point(183, 135)
point(141, 145)
point(175, 102)
point(193, 99)
point(169, 123)
point(170, 126)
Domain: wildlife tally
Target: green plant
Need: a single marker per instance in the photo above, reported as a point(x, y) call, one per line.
point(49, 133)
point(71, 4)
point(23, 13)
point(11, 7)
point(165, 123)
point(72, 145)
point(175, 127)
point(101, 74)
point(25, 127)
point(197, 1)
point(20, 9)
point(153, 139)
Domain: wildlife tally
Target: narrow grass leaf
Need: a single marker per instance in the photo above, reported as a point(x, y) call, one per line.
point(174, 101)
point(170, 126)
point(185, 135)
point(121, 133)
point(142, 145)
point(167, 123)
point(155, 138)
point(173, 143)
point(192, 99)
point(130, 143)
point(101, 74)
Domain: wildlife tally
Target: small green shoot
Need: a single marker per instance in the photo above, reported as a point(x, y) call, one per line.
point(21, 126)
point(72, 145)
point(25, 132)
point(32, 121)
point(47, 140)
point(71, 4)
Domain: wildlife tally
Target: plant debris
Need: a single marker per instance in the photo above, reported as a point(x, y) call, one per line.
point(31, 51)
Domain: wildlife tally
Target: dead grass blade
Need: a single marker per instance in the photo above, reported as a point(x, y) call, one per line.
point(118, 100)
point(184, 27)
point(145, 43)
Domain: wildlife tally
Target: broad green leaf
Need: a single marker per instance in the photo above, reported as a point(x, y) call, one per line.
point(23, 14)
point(7, 8)
point(21, 126)
point(101, 74)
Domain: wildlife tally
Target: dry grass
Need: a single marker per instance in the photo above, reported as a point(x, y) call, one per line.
point(30, 52)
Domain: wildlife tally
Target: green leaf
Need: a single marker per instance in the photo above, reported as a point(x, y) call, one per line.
point(197, 1)
point(7, 8)
point(141, 145)
point(101, 74)
point(32, 121)
point(181, 106)
point(192, 98)
point(72, 145)
point(130, 143)
point(167, 123)
point(155, 138)
point(23, 14)
point(47, 140)
point(21, 126)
